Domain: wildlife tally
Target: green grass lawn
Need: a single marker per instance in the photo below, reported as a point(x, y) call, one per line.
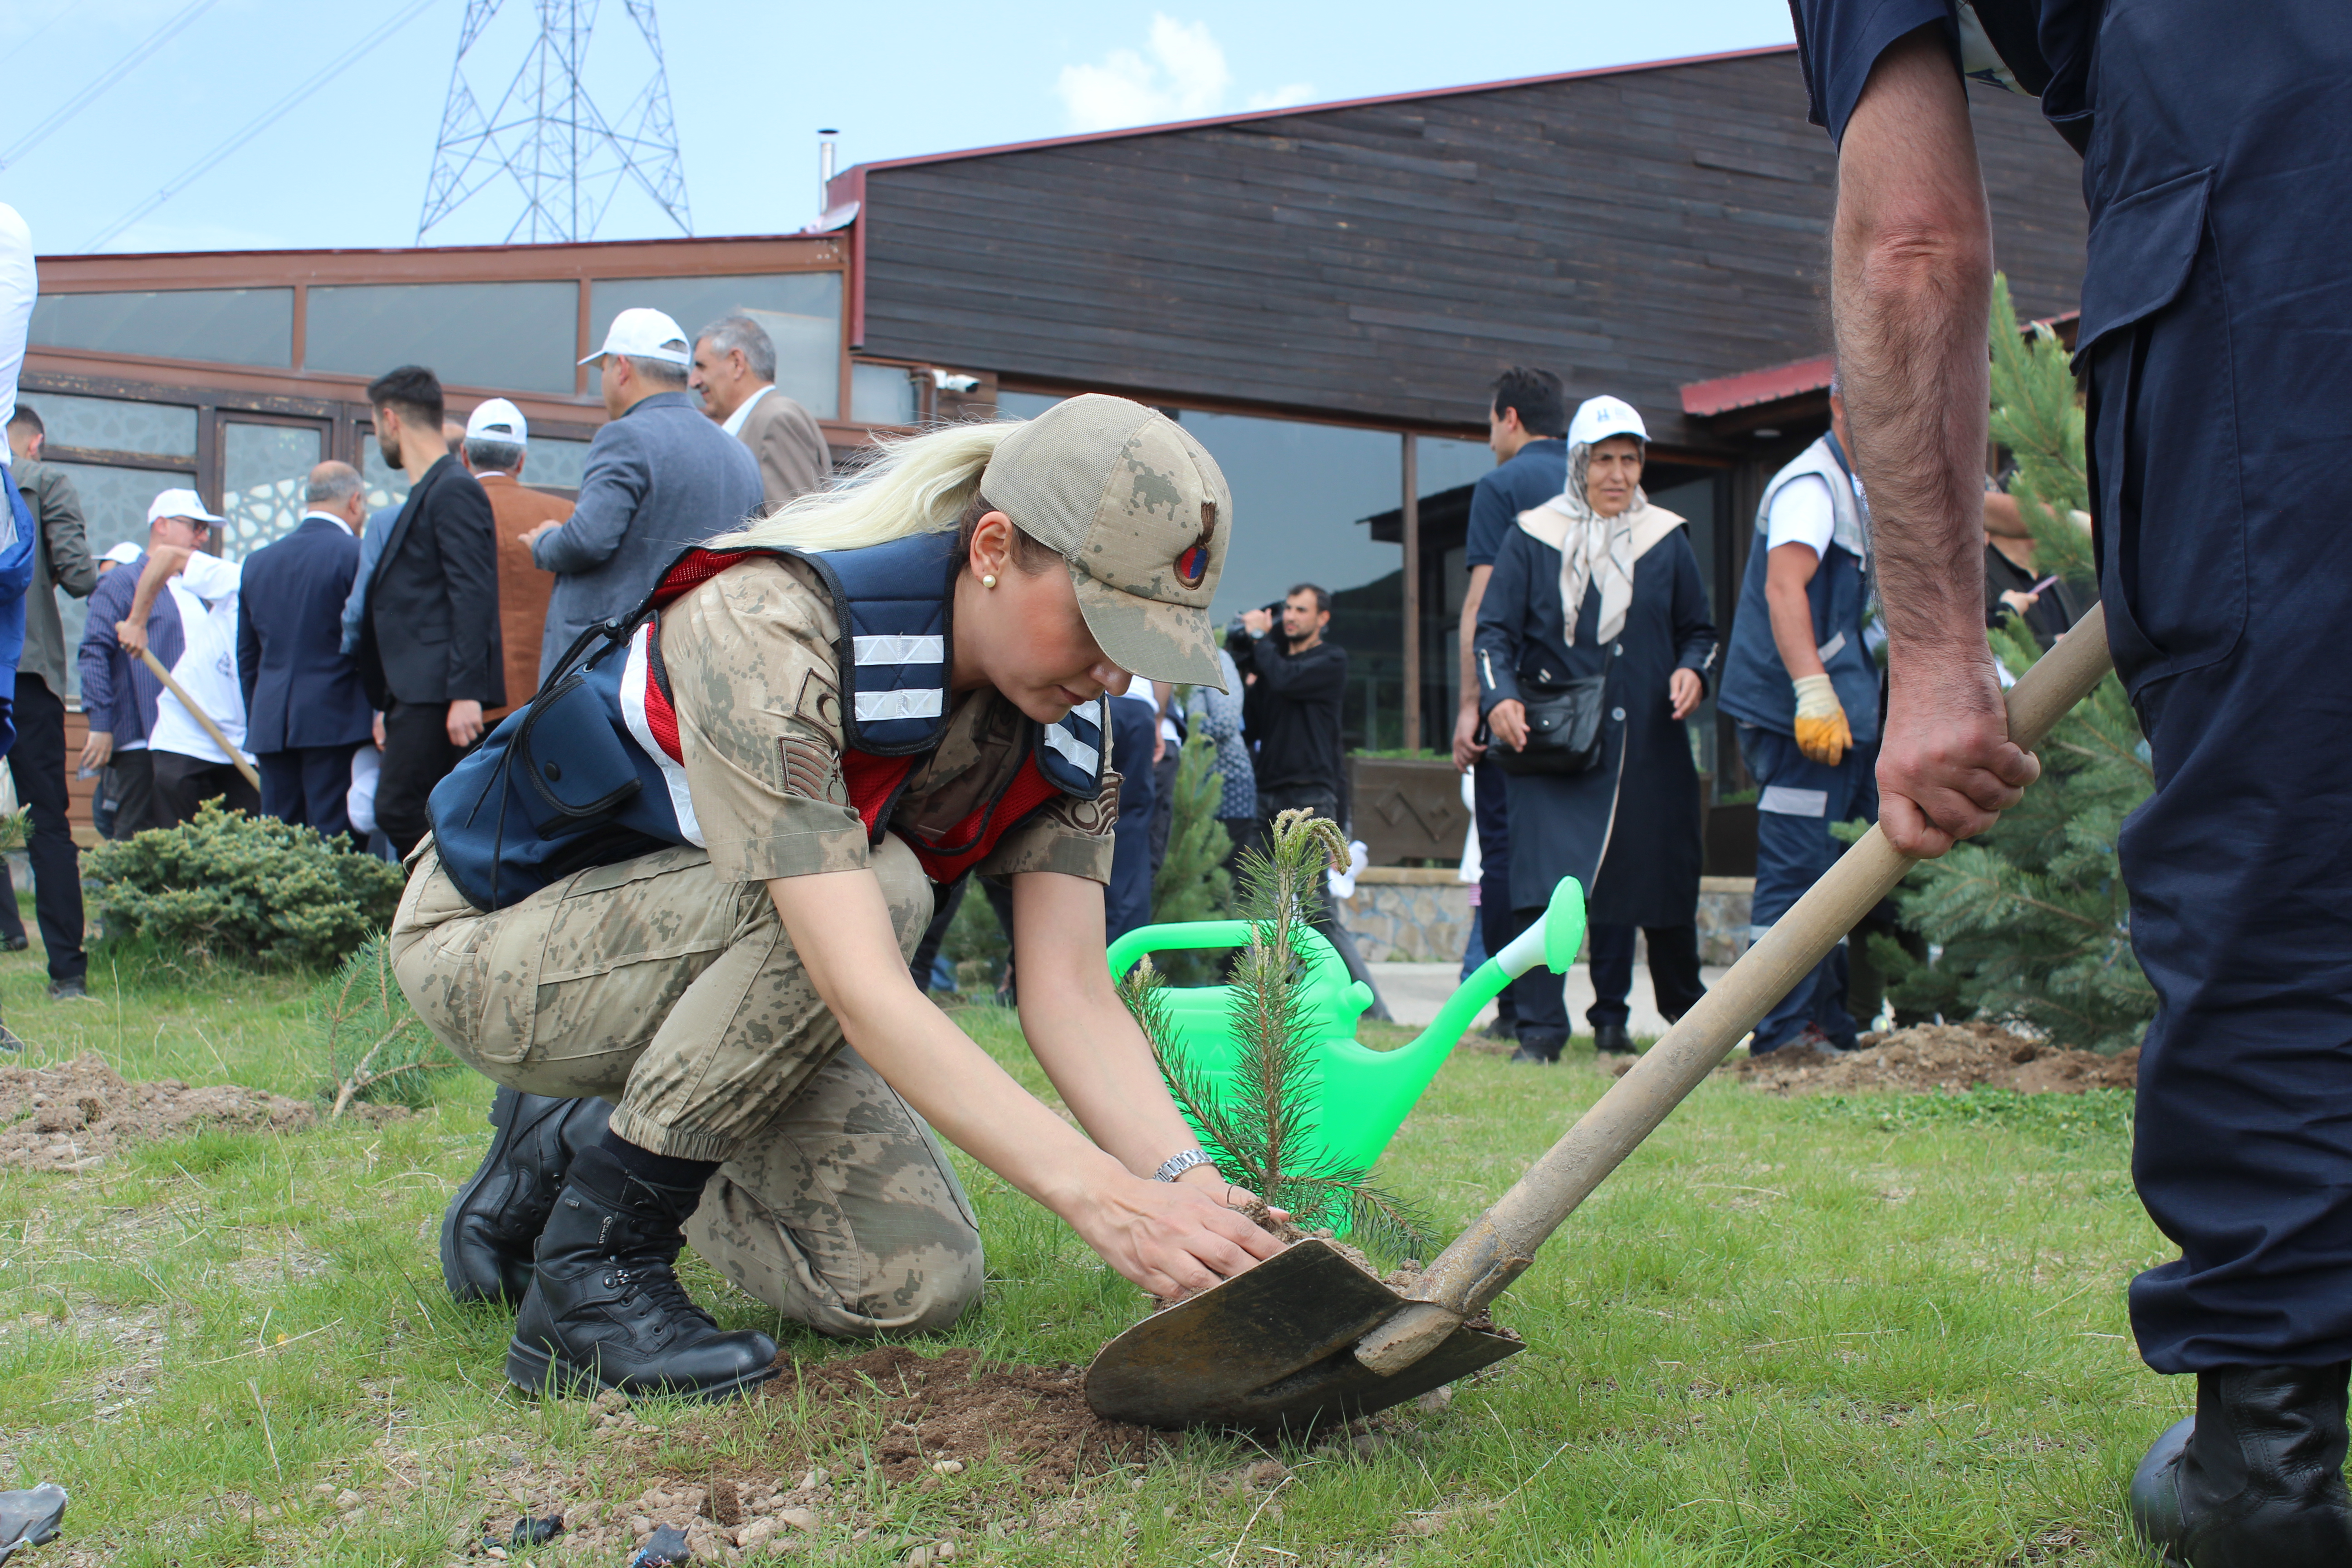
point(1786, 1333)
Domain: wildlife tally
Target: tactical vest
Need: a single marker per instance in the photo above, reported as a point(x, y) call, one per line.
point(589, 771)
point(1755, 685)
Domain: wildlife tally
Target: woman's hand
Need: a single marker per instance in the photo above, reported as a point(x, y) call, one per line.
point(1684, 688)
point(1508, 721)
point(1173, 1238)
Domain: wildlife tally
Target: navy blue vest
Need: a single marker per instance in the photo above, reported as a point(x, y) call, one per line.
point(1755, 685)
point(588, 772)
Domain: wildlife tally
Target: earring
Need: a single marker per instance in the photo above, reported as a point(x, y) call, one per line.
point(989, 581)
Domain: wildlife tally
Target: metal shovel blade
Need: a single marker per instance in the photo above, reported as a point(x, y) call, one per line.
point(1273, 1349)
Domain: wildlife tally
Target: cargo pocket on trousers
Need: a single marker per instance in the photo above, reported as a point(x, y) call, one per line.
point(2162, 434)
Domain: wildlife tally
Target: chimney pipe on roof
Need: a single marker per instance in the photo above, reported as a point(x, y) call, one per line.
point(824, 149)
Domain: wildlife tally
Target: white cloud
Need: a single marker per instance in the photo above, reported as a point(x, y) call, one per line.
point(1181, 74)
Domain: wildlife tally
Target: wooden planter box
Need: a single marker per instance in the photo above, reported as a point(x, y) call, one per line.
point(1407, 808)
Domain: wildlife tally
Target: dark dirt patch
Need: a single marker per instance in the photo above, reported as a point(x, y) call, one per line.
point(73, 1117)
point(1951, 1058)
point(957, 1406)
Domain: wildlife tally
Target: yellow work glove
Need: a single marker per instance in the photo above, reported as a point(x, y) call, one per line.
point(1822, 732)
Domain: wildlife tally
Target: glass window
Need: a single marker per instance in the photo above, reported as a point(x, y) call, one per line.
point(264, 469)
point(115, 425)
point(511, 336)
point(1304, 497)
point(885, 394)
point(799, 311)
point(1026, 404)
point(386, 486)
point(1444, 464)
point(554, 463)
point(230, 326)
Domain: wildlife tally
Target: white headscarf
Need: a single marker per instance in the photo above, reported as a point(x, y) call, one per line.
point(1596, 549)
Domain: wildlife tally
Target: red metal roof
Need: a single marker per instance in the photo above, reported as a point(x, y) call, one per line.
point(1706, 399)
point(851, 181)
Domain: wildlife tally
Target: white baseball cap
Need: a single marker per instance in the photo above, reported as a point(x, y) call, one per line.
point(498, 420)
point(124, 554)
point(1598, 419)
point(643, 333)
point(181, 503)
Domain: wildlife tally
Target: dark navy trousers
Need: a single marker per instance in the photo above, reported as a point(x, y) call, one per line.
point(2217, 337)
point(1132, 727)
point(1796, 800)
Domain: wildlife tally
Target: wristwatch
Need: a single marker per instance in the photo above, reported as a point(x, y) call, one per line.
point(1176, 1166)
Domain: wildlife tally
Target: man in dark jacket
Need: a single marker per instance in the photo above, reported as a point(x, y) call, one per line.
point(305, 712)
point(60, 560)
point(429, 653)
point(660, 477)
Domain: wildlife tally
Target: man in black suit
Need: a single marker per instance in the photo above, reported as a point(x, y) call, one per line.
point(429, 652)
point(305, 712)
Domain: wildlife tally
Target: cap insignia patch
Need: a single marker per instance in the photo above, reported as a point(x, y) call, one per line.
point(1193, 563)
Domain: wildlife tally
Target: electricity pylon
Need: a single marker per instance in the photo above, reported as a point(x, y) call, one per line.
point(547, 138)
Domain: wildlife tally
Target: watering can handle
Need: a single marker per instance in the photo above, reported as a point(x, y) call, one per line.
point(1500, 1244)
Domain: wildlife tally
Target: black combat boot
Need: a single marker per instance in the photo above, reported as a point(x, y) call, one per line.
point(605, 1309)
point(2255, 1479)
point(1611, 1040)
point(492, 1226)
point(1539, 1050)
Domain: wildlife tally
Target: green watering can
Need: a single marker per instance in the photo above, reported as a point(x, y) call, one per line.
point(1361, 1095)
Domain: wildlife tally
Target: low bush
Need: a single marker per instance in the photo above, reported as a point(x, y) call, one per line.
point(228, 888)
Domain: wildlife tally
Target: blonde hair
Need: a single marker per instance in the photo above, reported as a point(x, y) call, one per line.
point(919, 484)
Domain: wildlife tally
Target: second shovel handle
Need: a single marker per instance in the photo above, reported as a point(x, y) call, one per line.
point(1498, 1243)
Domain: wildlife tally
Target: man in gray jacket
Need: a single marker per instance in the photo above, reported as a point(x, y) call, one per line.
point(660, 477)
point(61, 559)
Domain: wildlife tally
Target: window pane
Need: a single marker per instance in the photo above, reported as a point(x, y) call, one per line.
point(263, 470)
point(554, 463)
point(884, 394)
point(113, 425)
point(801, 311)
point(1304, 496)
point(1029, 405)
point(114, 504)
point(1444, 464)
point(231, 326)
point(386, 486)
point(511, 336)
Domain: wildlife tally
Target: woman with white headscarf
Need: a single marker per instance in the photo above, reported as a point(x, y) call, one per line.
point(1597, 608)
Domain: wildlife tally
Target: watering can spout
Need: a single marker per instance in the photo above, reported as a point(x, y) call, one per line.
point(1551, 942)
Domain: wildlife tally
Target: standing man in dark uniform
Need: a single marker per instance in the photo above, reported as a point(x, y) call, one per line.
point(1527, 429)
point(2215, 307)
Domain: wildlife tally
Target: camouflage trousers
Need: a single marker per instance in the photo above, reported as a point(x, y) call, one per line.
point(676, 996)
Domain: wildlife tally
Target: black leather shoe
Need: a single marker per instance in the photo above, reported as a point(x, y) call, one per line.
point(605, 1309)
point(1611, 1040)
point(2255, 1479)
point(1542, 1050)
point(492, 1226)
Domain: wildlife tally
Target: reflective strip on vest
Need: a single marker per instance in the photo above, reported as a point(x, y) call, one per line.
point(1076, 752)
point(906, 702)
point(896, 649)
point(646, 710)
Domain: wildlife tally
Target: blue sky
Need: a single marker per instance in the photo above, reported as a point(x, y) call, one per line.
point(750, 84)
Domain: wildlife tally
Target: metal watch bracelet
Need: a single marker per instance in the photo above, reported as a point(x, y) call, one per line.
point(1176, 1166)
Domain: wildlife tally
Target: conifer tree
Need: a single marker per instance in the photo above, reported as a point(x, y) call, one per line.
point(2031, 919)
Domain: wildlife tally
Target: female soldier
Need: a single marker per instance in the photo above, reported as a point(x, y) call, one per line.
point(687, 879)
point(1598, 583)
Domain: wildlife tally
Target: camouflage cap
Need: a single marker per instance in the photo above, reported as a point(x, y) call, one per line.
point(1141, 512)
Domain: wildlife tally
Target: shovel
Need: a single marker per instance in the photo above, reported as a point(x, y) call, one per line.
point(1307, 1336)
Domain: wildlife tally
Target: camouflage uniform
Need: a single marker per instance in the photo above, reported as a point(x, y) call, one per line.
point(667, 984)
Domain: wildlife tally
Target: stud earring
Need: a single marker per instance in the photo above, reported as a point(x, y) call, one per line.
point(989, 581)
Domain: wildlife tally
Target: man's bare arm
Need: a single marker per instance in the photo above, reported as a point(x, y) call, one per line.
point(1910, 286)
point(1467, 749)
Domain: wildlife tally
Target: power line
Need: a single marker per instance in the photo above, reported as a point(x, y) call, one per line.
point(104, 79)
point(269, 117)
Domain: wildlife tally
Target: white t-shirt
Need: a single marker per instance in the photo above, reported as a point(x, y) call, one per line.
point(206, 596)
point(18, 288)
point(1801, 513)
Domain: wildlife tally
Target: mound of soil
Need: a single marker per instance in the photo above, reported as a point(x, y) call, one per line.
point(71, 1118)
point(958, 1407)
point(1952, 1057)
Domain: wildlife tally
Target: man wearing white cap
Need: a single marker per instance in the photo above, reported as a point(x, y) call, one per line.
point(660, 477)
point(498, 442)
point(190, 766)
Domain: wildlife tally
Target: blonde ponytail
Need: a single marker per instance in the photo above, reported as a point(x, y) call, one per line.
point(919, 484)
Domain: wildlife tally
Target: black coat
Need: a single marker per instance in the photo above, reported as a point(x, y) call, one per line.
point(301, 688)
point(1627, 829)
point(431, 631)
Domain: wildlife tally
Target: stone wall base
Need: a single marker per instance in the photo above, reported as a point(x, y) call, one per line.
point(1421, 915)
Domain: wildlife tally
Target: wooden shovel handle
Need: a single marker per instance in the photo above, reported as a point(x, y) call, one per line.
point(1501, 1243)
point(202, 717)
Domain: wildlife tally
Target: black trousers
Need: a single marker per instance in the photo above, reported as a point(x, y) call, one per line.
point(418, 754)
point(1489, 787)
point(184, 783)
point(1163, 805)
point(135, 793)
point(37, 764)
point(309, 785)
point(1673, 970)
